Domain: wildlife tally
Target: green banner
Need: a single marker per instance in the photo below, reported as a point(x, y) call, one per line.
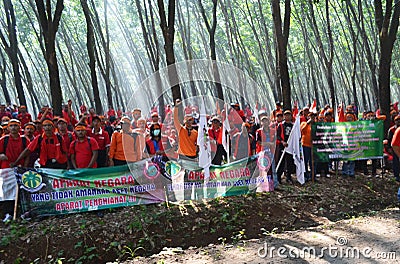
point(52, 192)
point(347, 140)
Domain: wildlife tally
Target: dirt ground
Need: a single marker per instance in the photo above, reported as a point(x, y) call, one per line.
point(229, 229)
point(365, 239)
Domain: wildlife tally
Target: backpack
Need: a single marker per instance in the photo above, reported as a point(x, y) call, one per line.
point(59, 137)
point(7, 138)
point(88, 139)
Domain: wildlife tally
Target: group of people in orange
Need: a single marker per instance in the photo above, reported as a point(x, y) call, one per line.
point(91, 141)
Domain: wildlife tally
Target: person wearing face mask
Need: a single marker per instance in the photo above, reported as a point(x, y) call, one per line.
point(154, 145)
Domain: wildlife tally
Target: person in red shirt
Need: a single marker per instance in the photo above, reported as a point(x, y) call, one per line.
point(45, 113)
point(103, 140)
point(83, 150)
point(111, 114)
point(215, 135)
point(29, 131)
point(51, 147)
point(68, 136)
point(69, 116)
point(24, 116)
point(396, 145)
point(3, 112)
point(12, 145)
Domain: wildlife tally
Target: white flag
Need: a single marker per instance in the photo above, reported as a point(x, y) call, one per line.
point(225, 130)
point(295, 148)
point(202, 139)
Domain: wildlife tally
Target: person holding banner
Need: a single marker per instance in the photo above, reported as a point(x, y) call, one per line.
point(51, 147)
point(349, 165)
point(83, 150)
point(12, 145)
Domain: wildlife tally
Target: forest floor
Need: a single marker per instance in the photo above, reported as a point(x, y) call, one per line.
point(229, 229)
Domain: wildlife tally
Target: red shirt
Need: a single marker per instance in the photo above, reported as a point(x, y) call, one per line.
point(52, 149)
point(68, 139)
point(70, 121)
point(5, 113)
point(111, 112)
point(13, 150)
point(49, 115)
point(83, 152)
point(24, 118)
point(102, 138)
point(396, 138)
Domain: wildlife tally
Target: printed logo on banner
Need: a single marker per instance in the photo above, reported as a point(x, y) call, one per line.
point(151, 170)
point(264, 161)
point(32, 181)
point(172, 168)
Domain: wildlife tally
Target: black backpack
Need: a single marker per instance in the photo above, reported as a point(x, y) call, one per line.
point(7, 138)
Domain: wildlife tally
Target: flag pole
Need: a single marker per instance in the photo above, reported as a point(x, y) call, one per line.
point(280, 160)
point(16, 202)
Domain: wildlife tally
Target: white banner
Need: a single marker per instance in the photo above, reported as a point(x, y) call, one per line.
point(8, 184)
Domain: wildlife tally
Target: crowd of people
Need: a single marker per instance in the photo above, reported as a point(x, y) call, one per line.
point(88, 140)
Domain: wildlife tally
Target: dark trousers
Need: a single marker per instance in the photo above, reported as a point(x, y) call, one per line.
point(119, 162)
point(396, 166)
point(287, 166)
point(307, 161)
point(219, 155)
point(102, 158)
point(56, 165)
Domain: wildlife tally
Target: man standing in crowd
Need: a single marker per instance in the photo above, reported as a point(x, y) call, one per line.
point(83, 150)
point(11, 146)
point(215, 135)
point(51, 147)
point(136, 114)
point(125, 145)
point(69, 116)
point(283, 133)
point(306, 142)
point(187, 135)
point(24, 116)
point(391, 133)
point(103, 140)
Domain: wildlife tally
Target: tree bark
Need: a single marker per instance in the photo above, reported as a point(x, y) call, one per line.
point(12, 50)
point(168, 31)
point(387, 25)
point(90, 44)
point(49, 25)
point(282, 36)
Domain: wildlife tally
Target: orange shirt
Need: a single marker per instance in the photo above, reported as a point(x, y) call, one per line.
point(124, 147)
point(187, 141)
point(305, 129)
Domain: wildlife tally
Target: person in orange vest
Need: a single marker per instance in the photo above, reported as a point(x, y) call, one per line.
point(306, 142)
point(125, 145)
point(187, 135)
